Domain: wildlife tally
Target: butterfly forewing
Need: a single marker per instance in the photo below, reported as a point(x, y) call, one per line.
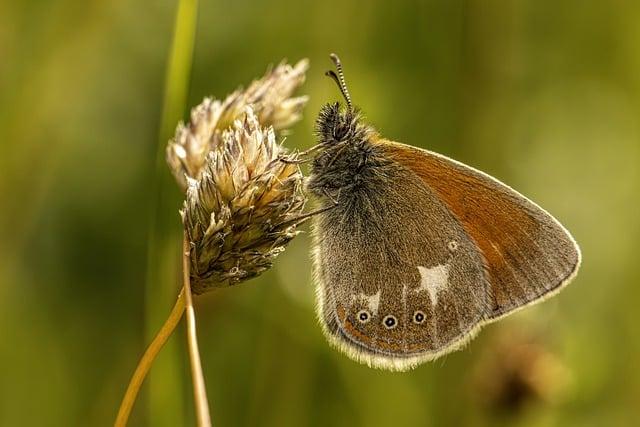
point(527, 253)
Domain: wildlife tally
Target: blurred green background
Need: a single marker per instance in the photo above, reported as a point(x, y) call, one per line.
point(544, 95)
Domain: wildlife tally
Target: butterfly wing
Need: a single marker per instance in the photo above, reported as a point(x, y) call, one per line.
point(413, 263)
point(528, 254)
point(399, 280)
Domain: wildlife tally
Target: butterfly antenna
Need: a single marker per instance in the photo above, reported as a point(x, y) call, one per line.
point(339, 79)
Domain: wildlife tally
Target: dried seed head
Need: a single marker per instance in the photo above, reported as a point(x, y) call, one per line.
point(272, 103)
point(240, 213)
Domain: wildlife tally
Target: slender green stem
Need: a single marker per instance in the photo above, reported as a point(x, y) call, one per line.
point(178, 69)
point(199, 390)
point(147, 360)
point(166, 382)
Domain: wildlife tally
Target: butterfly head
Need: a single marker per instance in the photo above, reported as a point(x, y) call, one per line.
point(346, 159)
point(337, 123)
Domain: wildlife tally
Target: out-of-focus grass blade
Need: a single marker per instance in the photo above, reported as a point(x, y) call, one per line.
point(167, 379)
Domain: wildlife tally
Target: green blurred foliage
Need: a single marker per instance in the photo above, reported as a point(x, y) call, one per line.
point(545, 95)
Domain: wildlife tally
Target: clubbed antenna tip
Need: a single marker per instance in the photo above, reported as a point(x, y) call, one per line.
point(339, 79)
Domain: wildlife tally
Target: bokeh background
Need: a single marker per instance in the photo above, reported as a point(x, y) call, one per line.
point(544, 95)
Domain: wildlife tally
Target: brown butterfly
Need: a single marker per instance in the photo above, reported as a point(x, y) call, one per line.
point(415, 252)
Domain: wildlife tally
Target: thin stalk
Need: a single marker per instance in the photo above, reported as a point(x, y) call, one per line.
point(199, 390)
point(166, 382)
point(147, 360)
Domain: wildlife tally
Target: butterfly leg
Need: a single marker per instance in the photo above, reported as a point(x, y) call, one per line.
point(330, 197)
point(299, 157)
point(301, 218)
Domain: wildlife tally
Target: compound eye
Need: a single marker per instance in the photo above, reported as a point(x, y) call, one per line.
point(390, 321)
point(418, 317)
point(339, 132)
point(363, 316)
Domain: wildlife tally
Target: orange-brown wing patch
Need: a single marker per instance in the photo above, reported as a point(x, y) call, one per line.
point(527, 252)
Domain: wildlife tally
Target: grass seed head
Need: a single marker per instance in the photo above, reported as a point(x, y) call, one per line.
point(273, 105)
point(240, 212)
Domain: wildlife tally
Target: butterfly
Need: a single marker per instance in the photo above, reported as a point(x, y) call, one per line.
point(414, 252)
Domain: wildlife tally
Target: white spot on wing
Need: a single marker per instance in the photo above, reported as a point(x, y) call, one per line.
point(433, 280)
point(372, 301)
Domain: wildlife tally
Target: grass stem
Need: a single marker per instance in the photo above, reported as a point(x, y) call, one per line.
point(199, 390)
point(147, 360)
point(166, 383)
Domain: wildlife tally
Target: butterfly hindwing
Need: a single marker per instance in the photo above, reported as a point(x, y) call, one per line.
point(393, 251)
